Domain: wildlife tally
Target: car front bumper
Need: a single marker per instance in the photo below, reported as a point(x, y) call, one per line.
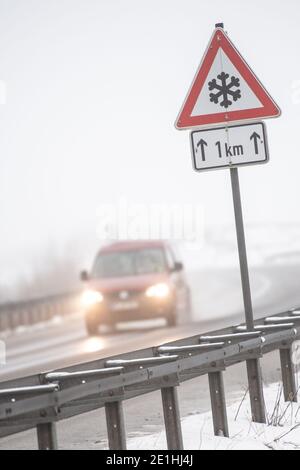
point(137, 308)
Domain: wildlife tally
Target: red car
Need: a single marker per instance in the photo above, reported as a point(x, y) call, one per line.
point(134, 280)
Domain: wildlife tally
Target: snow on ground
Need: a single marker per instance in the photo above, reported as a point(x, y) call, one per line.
point(269, 243)
point(282, 431)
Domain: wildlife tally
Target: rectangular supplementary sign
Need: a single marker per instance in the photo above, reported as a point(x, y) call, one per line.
point(229, 146)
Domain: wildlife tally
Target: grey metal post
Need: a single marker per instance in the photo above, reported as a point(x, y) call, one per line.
point(218, 404)
point(172, 418)
point(46, 435)
point(2, 321)
point(253, 365)
point(256, 393)
point(115, 425)
point(288, 375)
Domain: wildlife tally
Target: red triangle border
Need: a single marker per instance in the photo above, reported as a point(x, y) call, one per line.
point(269, 108)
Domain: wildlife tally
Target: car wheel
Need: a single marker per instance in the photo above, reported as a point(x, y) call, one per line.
point(172, 319)
point(108, 328)
point(92, 327)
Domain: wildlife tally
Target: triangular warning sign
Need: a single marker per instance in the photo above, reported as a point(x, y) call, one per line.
point(224, 89)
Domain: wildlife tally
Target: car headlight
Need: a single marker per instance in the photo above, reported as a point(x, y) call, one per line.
point(160, 290)
point(90, 298)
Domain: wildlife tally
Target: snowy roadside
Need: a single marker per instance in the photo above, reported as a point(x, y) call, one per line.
point(282, 431)
point(266, 244)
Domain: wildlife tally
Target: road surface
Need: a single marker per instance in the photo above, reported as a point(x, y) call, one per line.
point(217, 302)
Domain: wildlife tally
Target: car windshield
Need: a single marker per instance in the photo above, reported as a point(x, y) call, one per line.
point(129, 263)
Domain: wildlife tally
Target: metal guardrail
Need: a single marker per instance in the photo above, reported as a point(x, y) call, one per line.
point(29, 312)
point(40, 401)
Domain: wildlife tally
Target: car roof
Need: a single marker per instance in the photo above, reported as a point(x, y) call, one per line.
point(128, 245)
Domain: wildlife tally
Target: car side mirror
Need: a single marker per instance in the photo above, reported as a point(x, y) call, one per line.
point(84, 276)
point(178, 266)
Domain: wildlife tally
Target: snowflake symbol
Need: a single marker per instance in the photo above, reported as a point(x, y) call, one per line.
point(224, 89)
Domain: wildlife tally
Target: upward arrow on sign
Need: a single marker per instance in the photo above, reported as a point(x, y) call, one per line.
point(202, 143)
point(255, 137)
point(224, 89)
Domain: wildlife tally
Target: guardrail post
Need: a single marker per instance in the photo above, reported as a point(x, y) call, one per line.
point(218, 404)
point(172, 418)
point(2, 321)
point(115, 425)
point(46, 434)
point(11, 319)
point(288, 375)
point(256, 391)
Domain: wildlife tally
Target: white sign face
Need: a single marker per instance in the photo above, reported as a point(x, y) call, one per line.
point(238, 96)
point(229, 146)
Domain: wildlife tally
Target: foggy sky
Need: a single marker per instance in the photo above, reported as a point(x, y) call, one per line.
point(93, 90)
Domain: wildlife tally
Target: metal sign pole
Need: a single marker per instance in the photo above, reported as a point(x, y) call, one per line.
point(253, 365)
point(240, 234)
